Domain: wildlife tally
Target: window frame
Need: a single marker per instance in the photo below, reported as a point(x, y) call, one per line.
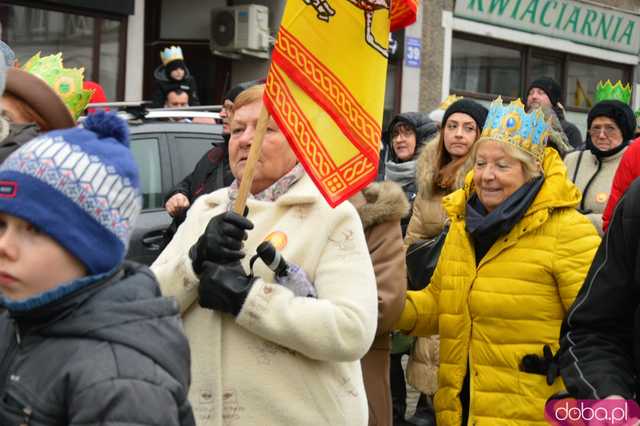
point(164, 158)
point(492, 42)
point(527, 53)
point(98, 18)
point(172, 143)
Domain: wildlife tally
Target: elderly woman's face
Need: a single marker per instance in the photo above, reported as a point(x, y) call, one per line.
point(605, 133)
point(276, 158)
point(403, 140)
point(497, 175)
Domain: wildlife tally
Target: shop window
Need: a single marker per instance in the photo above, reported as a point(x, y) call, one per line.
point(545, 66)
point(583, 77)
point(110, 57)
point(484, 68)
point(92, 43)
point(33, 30)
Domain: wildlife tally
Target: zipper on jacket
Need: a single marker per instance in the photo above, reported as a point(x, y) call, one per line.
point(12, 350)
point(18, 338)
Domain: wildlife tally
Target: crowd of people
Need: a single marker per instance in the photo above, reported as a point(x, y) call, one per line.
point(534, 294)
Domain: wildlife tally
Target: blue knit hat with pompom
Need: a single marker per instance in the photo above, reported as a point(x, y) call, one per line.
point(80, 186)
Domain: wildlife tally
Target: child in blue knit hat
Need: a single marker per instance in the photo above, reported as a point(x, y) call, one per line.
point(86, 337)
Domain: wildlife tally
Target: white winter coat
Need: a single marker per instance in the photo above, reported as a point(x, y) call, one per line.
point(284, 360)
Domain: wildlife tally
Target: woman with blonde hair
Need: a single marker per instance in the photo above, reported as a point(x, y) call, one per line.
point(442, 166)
point(515, 256)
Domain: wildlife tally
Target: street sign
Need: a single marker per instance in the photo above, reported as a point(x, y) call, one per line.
point(412, 52)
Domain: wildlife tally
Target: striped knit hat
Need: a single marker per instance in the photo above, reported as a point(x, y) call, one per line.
point(79, 186)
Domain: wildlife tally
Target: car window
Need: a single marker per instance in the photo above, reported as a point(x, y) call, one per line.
point(187, 150)
point(146, 152)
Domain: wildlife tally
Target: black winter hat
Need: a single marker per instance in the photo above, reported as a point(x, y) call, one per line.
point(178, 63)
point(550, 87)
point(469, 107)
point(618, 112)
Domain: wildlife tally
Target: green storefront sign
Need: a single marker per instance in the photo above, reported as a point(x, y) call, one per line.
point(566, 19)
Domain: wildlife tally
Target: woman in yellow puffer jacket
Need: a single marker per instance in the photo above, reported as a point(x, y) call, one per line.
point(515, 257)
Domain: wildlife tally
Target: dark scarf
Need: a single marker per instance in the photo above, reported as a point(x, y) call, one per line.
point(485, 228)
point(604, 154)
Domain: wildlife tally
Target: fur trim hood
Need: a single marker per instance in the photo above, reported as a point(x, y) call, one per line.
point(380, 202)
point(426, 168)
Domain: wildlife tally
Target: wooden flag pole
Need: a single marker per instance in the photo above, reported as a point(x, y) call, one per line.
point(254, 155)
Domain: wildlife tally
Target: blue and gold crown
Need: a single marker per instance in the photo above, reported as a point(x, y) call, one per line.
point(511, 124)
point(171, 54)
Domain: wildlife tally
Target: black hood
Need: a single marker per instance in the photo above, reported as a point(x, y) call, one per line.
point(130, 311)
point(424, 127)
point(160, 74)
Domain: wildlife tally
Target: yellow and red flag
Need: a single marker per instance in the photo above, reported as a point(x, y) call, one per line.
point(325, 89)
point(403, 13)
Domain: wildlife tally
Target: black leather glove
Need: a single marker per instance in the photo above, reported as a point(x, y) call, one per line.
point(547, 365)
point(221, 241)
point(224, 287)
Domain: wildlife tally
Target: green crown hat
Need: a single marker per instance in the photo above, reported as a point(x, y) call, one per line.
point(66, 82)
point(605, 91)
point(511, 124)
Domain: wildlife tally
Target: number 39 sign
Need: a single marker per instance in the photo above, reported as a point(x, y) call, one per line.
point(412, 52)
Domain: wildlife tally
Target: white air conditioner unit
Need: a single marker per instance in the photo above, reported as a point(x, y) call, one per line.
point(240, 29)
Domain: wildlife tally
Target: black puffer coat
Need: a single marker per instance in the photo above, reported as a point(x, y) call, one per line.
point(110, 354)
point(600, 337)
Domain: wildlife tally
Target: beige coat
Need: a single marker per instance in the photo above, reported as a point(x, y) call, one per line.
point(381, 206)
point(428, 216)
point(597, 195)
point(285, 360)
point(427, 222)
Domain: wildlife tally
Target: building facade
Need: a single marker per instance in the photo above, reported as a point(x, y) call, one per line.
point(118, 43)
point(91, 34)
point(485, 48)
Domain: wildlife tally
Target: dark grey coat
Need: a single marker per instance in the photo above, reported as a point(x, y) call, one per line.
point(110, 354)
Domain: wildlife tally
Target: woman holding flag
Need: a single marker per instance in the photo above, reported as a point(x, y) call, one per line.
point(265, 351)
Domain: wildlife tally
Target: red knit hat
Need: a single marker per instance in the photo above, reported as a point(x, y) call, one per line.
point(98, 95)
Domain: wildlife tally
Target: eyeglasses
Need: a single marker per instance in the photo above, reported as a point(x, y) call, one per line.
point(401, 130)
point(608, 131)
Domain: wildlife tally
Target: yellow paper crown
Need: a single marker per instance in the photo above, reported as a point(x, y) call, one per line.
point(66, 82)
point(513, 125)
point(451, 99)
point(605, 91)
point(171, 54)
